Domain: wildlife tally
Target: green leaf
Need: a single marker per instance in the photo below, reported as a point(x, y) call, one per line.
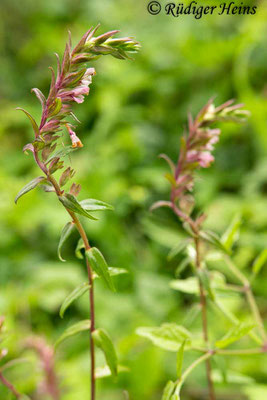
point(214, 239)
point(33, 122)
point(168, 336)
point(80, 326)
point(61, 153)
point(168, 391)
point(80, 246)
point(259, 262)
point(95, 205)
point(56, 107)
point(231, 234)
point(103, 341)
point(74, 295)
point(103, 372)
point(170, 178)
point(177, 249)
point(189, 285)
point(234, 334)
point(180, 359)
point(65, 233)
point(30, 186)
point(71, 203)
point(113, 271)
point(99, 265)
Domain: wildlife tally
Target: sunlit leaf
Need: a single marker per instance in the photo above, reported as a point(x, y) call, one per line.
point(180, 359)
point(231, 234)
point(80, 246)
point(103, 341)
point(65, 233)
point(80, 326)
point(71, 203)
point(74, 295)
point(189, 285)
point(259, 262)
point(235, 334)
point(95, 205)
point(99, 265)
point(30, 186)
point(168, 390)
point(213, 239)
point(103, 372)
point(168, 336)
point(32, 120)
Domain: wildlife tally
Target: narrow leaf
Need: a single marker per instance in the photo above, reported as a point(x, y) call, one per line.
point(74, 329)
point(61, 153)
point(71, 203)
point(168, 336)
point(40, 96)
point(103, 341)
point(30, 186)
point(235, 334)
point(180, 359)
point(99, 265)
point(65, 233)
point(259, 262)
point(169, 161)
point(231, 235)
point(177, 249)
point(80, 246)
point(95, 205)
point(33, 122)
point(189, 285)
point(74, 295)
point(168, 391)
point(214, 239)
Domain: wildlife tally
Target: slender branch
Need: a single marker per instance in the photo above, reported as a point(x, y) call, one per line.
point(249, 295)
point(9, 386)
point(241, 352)
point(180, 381)
point(203, 303)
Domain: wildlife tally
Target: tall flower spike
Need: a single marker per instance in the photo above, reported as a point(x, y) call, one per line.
point(196, 151)
point(71, 83)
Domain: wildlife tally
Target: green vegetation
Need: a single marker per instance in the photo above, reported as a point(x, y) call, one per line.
point(135, 111)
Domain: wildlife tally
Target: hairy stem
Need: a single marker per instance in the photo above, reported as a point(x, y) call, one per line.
point(9, 385)
point(83, 235)
point(249, 296)
point(203, 303)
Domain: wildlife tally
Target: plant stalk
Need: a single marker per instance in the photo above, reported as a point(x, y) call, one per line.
point(9, 385)
point(83, 235)
point(203, 303)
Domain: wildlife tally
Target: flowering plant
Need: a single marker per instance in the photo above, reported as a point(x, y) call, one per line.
point(68, 86)
point(195, 153)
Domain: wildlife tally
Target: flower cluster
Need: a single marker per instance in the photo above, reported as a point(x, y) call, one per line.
point(196, 151)
point(68, 86)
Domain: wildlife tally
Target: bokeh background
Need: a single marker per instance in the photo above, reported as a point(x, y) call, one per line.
point(135, 111)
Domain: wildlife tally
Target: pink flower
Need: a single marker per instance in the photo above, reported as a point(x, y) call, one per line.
point(74, 138)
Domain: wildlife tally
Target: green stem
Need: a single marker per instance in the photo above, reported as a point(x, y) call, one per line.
point(188, 371)
point(203, 303)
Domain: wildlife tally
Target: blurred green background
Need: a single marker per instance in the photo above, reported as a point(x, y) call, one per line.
point(135, 111)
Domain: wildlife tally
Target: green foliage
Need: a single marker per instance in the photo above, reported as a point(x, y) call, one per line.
point(30, 186)
point(103, 341)
point(99, 265)
point(65, 233)
point(74, 295)
point(234, 334)
point(71, 203)
point(168, 336)
point(74, 330)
